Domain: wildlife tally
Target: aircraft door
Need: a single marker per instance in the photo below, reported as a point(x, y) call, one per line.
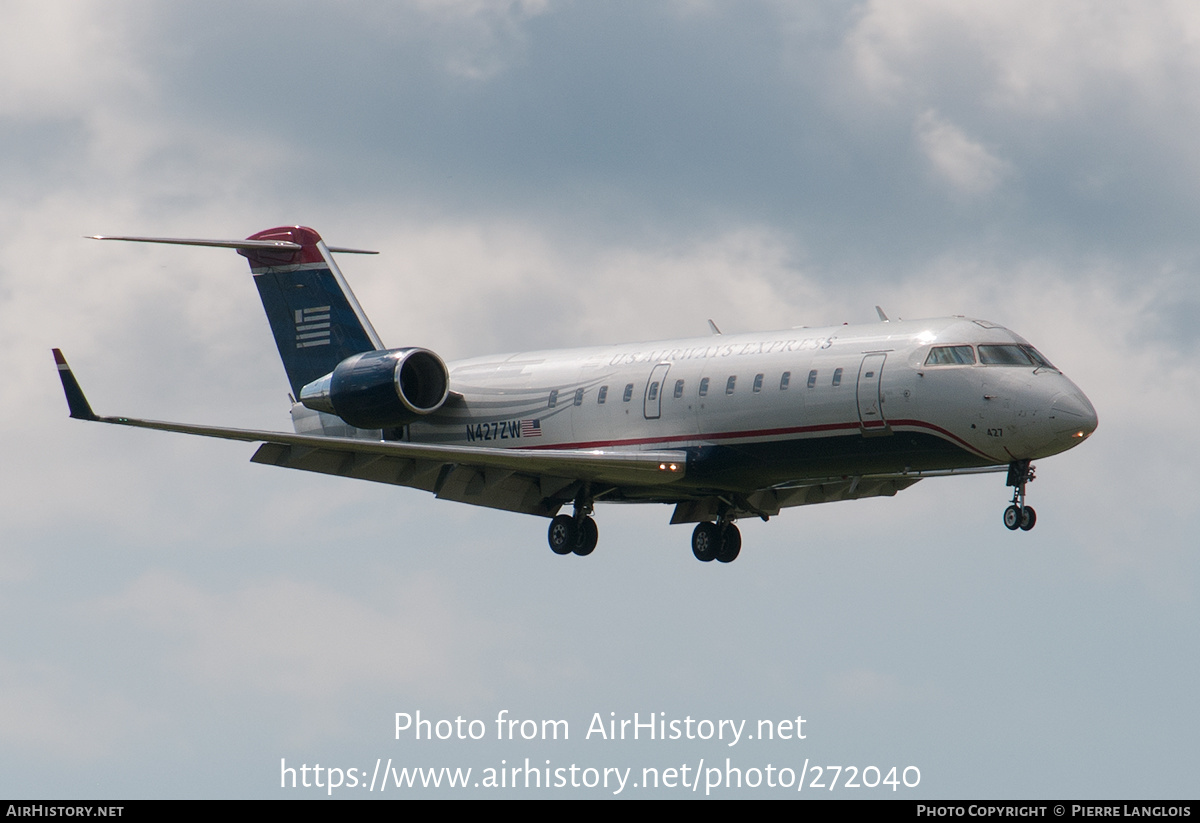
point(870, 407)
point(652, 406)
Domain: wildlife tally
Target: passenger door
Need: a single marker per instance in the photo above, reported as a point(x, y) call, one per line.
point(652, 406)
point(870, 408)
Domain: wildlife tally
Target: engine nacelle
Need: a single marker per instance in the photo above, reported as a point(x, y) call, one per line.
point(381, 389)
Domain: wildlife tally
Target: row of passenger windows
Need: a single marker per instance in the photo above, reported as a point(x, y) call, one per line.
point(785, 380)
point(1009, 354)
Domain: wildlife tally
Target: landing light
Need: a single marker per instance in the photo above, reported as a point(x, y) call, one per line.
point(668, 467)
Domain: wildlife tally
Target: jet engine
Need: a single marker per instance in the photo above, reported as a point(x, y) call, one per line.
point(381, 389)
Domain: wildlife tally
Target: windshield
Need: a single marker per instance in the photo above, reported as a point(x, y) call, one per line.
point(1012, 354)
point(950, 356)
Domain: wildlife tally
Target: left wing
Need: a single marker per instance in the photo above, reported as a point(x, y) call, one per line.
point(521, 480)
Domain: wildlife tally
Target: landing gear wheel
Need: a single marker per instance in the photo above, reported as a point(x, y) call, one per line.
point(562, 535)
point(1012, 518)
point(1018, 515)
point(1028, 518)
point(589, 535)
point(706, 541)
point(731, 544)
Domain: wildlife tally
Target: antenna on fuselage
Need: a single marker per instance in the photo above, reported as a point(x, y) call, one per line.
point(713, 326)
point(883, 317)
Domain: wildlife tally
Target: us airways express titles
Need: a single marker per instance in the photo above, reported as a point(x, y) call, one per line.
point(722, 427)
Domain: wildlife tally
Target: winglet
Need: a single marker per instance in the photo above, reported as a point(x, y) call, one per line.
point(76, 402)
point(883, 317)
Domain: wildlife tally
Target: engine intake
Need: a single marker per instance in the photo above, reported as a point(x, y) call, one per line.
point(381, 389)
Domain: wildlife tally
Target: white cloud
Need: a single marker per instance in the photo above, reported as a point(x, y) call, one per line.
point(965, 164)
point(516, 287)
point(1026, 56)
point(61, 60)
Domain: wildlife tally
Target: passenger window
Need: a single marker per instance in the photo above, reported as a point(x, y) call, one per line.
point(602, 395)
point(837, 377)
point(812, 378)
point(950, 356)
point(678, 389)
point(729, 384)
point(758, 378)
point(579, 397)
point(653, 390)
point(784, 380)
point(703, 386)
point(628, 393)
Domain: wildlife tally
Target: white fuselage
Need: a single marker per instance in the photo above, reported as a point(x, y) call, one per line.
point(790, 393)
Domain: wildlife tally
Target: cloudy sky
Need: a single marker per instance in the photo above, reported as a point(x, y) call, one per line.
point(177, 621)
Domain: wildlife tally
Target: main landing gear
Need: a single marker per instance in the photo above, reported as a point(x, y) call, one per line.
point(1018, 515)
point(720, 541)
point(576, 533)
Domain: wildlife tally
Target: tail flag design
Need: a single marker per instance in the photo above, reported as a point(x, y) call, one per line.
point(315, 318)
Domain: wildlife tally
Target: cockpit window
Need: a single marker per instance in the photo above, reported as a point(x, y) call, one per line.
point(1012, 354)
point(1037, 357)
point(950, 356)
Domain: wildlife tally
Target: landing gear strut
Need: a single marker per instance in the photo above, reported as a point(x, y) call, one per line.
point(578, 533)
point(1018, 515)
point(720, 541)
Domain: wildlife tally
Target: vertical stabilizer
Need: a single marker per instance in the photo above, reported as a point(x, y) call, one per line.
point(314, 316)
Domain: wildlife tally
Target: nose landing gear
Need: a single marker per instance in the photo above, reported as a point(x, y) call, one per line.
point(1018, 515)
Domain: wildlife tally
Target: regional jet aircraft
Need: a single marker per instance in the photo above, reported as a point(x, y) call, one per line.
point(722, 427)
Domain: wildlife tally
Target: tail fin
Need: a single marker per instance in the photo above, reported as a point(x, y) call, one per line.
point(314, 316)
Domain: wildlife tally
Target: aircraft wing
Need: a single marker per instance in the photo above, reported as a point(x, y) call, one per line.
point(532, 481)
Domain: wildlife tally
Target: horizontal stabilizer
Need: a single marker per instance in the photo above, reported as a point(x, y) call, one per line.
point(314, 316)
point(246, 245)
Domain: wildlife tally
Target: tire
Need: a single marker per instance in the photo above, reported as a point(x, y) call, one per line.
point(562, 535)
point(706, 541)
point(1012, 518)
point(731, 544)
point(1028, 518)
point(589, 535)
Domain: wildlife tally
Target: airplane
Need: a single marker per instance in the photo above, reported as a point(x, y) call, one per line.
point(722, 427)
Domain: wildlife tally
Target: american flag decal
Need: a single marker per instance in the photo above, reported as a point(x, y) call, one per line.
point(531, 428)
point(312, 327)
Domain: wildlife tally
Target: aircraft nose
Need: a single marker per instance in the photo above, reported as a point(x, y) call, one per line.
point(1075, 414)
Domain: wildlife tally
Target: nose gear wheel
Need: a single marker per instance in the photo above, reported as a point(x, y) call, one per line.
point(1018, 515)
